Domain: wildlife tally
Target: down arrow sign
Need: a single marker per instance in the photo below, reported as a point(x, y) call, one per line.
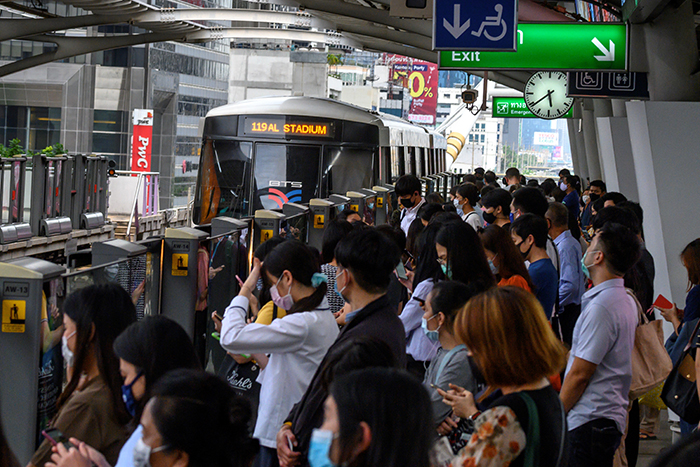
point(608, 55)
point(457, 29)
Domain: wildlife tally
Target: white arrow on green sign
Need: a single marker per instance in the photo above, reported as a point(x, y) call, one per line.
point(515, 107)
point(551, 46)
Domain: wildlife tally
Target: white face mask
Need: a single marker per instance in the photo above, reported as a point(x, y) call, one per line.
point(586, 199)
point(455, 201)
point(142, 453)
point(562, 186)
point(68, 355)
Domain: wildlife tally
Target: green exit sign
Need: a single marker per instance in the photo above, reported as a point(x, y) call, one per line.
point(515, 107)
point(551, 46)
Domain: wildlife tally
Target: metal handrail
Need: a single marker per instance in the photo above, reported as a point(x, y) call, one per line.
point(136, 193)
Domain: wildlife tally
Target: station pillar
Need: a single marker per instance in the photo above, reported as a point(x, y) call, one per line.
point(665, 148)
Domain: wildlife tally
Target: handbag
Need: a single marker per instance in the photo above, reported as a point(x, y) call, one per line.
point(680, 392)
point(651, 363)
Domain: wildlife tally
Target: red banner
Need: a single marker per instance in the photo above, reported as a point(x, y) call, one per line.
point(421, 80)
point(141, 141)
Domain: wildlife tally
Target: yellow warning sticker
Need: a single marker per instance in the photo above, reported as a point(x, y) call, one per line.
point(355, 207)
point(14, 313)
point(180, 264)
point(380, 202)
point(265, 235)
point(319, 221)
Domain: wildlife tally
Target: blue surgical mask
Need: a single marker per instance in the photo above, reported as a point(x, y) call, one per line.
point(370, 206)
point(584, 268)
point(433, 336)
point(128, 395)
point(335, 285)
point(447, 271)
point(320, 448)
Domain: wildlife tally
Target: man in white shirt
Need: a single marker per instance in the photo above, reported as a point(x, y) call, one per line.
point(599, 373)
point(408, 189)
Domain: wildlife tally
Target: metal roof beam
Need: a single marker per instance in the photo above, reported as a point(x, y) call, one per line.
point(207, 35)
point(73, 46)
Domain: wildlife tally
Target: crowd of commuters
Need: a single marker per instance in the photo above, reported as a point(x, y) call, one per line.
point(493, 329)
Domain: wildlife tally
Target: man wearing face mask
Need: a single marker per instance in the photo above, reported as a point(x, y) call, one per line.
point(599, 371)
point(496, 207)
point(408, 189)
point(597, 190)
point(366, 259)
point(529, 232)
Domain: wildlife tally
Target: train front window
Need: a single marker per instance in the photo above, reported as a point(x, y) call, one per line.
point(347, 169)
point(224, 180)
point(285, 174)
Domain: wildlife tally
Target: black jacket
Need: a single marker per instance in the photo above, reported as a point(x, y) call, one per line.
point(378, 320)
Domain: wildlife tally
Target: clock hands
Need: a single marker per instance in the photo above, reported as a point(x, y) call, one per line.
point(548, 95)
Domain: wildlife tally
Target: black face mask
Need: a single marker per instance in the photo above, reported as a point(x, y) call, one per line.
point(489, 217)
point(594, 197)
point(525, 254)
point(407, 203)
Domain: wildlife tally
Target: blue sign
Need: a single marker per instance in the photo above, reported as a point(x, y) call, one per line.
point(475, 25)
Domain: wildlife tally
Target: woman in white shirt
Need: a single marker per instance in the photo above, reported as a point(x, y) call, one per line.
point(296, 343)
point(465, 201)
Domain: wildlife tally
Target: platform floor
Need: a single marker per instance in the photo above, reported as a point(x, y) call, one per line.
point(648, 450)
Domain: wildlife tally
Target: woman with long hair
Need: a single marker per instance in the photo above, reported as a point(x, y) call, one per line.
point(516, 351)
point(375, 417)
point(504, 259)
point(91, 406)
point(147, 350)
point(296, 343)
point(461, 255)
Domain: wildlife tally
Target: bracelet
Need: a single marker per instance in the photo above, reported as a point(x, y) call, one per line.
point(474, 416)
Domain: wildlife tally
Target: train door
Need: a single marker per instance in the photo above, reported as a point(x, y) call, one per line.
point(285, 174)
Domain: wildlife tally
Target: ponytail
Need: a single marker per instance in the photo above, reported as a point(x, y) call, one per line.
point(300, 260)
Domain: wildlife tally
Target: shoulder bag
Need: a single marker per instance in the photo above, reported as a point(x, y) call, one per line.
point(650, 361)
point(680, 392)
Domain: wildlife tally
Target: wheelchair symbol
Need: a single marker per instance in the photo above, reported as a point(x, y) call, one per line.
point(493, 21)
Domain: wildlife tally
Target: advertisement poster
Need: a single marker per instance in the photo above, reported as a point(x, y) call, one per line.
point(141, 142)
point(420, 78)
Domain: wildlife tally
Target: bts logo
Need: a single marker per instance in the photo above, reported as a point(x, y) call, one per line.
point(281, 198)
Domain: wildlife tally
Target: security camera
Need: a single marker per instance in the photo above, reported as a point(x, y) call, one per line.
point(469, 96)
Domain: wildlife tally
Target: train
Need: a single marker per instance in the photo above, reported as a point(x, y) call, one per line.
point(263, 153)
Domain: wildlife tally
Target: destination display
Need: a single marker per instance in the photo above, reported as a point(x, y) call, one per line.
point(551, 46)
point(283, 127)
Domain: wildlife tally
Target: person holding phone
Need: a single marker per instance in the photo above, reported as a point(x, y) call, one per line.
point(451, 363)
point(91, 406)
point(420, 349)
point(147, 350)
point(296, 343)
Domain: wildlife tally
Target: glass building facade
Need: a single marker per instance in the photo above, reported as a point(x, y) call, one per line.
point(86, 102)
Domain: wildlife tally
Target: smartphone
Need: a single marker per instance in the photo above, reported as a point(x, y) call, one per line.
point(216, 313)
point(55, 436)
point(291, 446)
point(401, 271)
point(662, 302)
point(433, 386)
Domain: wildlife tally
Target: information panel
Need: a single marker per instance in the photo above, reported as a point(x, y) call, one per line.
point(283, 127)
point(515, 107)
point(551, 46)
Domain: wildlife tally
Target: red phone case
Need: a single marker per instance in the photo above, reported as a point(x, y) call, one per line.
point(663, 302)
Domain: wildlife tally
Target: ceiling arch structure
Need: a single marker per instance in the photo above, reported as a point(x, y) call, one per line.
point(358, 24)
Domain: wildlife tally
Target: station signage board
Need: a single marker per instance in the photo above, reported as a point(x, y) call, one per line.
point(476, 25)
point(551, 46)
point(605, 84)
point(515, 107)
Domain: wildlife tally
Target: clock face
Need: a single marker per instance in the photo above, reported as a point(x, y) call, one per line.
point(545, 95)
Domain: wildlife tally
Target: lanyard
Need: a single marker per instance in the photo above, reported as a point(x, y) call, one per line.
point(446, 360)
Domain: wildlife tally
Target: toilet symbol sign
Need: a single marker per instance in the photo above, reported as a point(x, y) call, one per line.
point(14, 313)
point(475, 25)
point(179, 267)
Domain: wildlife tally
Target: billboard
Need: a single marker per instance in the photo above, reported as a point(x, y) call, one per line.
point(421, 80)
point(546, 139)
point(141, 140)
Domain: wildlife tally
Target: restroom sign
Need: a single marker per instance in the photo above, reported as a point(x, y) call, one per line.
point(14, 313)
